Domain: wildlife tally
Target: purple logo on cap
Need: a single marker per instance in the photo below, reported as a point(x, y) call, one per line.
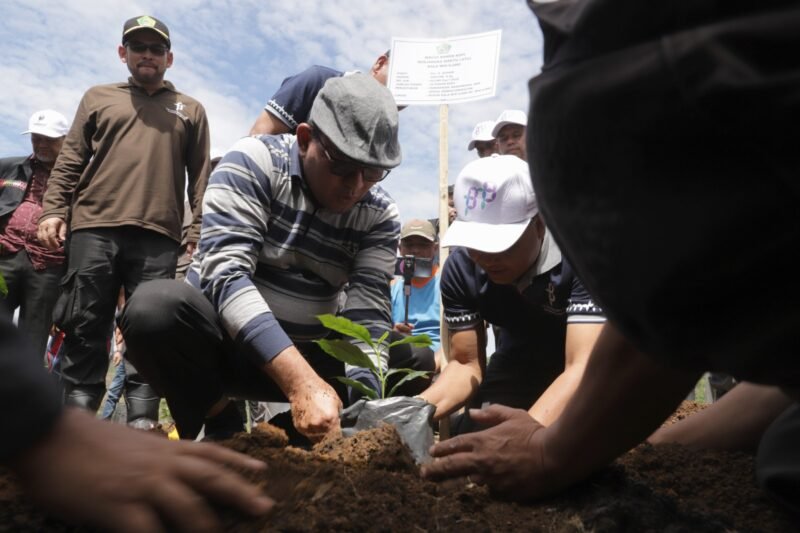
point(486, 194)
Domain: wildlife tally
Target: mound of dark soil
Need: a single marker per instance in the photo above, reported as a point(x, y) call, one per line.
point(370, 483)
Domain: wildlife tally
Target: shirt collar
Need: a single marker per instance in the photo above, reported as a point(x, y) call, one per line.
point(167, 86)
point(549, 257)
point(296, 168)
point(295, 163)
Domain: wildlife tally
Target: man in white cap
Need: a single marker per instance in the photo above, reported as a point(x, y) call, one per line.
point(482, 140)
point(509, 130)
point(290, 222)
point(507, 270)
point(31, 270)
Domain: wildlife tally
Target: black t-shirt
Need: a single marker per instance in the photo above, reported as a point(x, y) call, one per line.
point(664, 158)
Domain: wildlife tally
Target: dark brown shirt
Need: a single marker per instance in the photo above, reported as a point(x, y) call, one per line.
point(126, 159)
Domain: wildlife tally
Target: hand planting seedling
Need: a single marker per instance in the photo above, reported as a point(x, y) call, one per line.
point(352, 355)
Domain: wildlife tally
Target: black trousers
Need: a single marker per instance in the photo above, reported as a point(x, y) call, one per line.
point(175, 339)
point(35, 293)
point(778, 460)
point(99, 262)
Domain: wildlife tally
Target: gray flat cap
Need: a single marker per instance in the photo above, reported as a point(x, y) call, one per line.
point(359, 116)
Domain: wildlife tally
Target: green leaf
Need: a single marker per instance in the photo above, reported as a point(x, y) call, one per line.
point(3, 287)
point(415, 340)
point(345, 326)
point(363, 389)
point(411, 374)
point(383, 338)
point(346, 353)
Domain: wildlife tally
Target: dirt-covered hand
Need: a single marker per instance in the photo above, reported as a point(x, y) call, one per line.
point(315, 410)
point(114, 478)
point(508, 457)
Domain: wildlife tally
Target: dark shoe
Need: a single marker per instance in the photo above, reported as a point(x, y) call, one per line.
point(84, 396)
point(224, 425)
point(141, 401)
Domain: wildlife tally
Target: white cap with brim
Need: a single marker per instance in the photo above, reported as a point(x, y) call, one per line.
point(481, 133)
point(495, 202)
point(509, 116)
point(48, 123)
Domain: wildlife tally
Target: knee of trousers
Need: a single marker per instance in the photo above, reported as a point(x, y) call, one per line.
point(152, 315)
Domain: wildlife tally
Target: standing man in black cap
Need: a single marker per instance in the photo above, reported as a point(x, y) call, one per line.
point(290, 223)
point(115, 199)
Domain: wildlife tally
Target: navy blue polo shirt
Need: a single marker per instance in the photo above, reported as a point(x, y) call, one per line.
point(292, 101)
point(531, 315)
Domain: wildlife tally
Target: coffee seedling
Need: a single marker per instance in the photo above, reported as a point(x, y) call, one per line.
point(350, 354)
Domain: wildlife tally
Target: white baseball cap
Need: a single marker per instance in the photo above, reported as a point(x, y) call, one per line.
point(482, 132)
point(48, 123)
point(510, 116)
point(495, 202)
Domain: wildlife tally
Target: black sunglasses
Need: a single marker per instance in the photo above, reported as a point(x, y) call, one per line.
point(155, 48)
point(346, 167)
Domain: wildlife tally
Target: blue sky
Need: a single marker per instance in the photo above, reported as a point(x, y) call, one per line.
point(233, 55)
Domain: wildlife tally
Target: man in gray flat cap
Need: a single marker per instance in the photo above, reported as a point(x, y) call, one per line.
point(289, 223)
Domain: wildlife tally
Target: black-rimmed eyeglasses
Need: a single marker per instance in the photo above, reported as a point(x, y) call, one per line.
point(346, 167)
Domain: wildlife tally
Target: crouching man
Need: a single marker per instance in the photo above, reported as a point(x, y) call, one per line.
point(289, 221)
point(509, 271)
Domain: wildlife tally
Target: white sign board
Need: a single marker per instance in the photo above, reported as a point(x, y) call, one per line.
point(444, 71)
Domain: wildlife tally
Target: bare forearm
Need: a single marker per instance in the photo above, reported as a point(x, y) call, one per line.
point(551, 403)
point(290, 371)
point(623, 396)
point(455, 385)
point(580, 341)
point(735, 422)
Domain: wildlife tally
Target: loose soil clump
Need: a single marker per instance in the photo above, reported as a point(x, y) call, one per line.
point(370, 483)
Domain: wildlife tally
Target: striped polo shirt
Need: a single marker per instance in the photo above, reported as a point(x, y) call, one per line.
point(270, 259)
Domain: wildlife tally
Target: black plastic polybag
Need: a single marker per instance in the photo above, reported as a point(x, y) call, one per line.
point(411, 416)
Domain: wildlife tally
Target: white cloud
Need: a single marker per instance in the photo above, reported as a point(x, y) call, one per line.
point(233, 55)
